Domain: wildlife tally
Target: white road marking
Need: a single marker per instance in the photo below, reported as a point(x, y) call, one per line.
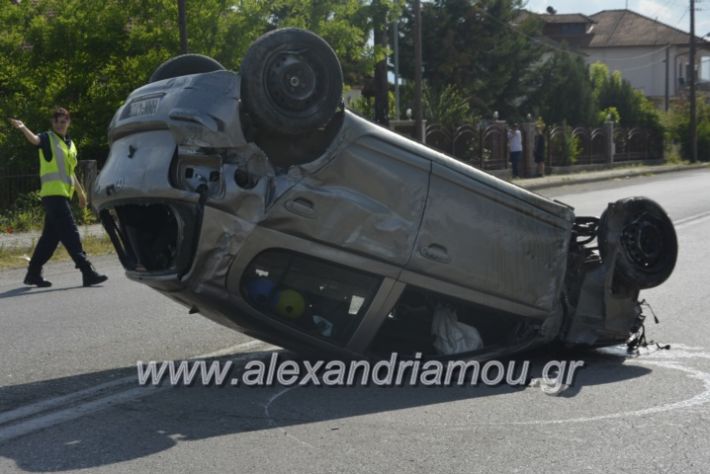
point(48, 404)
point(237, 348)
point(271, 420)
point(699, 399)
point(68, 414)
point(94, 404)
point(661, 358)
point(686, 221)
point(665, 359)
point(91, 392)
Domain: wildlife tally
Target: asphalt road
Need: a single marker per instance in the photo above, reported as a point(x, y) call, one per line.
point(69, 400)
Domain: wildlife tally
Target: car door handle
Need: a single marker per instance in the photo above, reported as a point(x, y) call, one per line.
point(302, 207)
point(435, 252)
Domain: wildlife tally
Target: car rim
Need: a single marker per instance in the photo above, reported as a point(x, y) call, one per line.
point(291, 82)
point(643, 241)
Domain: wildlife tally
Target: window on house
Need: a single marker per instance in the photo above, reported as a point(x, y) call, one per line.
point(705, 68)
point(572, 29)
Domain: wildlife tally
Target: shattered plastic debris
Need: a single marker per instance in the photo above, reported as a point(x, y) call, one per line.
point(548, 388)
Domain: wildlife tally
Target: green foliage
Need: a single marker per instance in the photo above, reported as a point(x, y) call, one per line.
point(610, 113)
point(598, 74)
point(632, 108)
point(365, 106)
point(480, 47)
point(448, 106)
point(564, 90)
point(566, 144)
point(574, 148)
point(679, 129)
point(87, 56)
point(27, 214)
point(479, 56)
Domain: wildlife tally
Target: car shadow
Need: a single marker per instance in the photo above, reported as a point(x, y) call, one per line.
point(164, 418)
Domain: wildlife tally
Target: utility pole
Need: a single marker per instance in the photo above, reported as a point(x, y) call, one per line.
point(182, 24)
point(418, 115)
point(395, 43)
point(693, 110)
point(381, 84)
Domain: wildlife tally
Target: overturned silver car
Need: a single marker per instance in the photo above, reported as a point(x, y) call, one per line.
point(258, 201)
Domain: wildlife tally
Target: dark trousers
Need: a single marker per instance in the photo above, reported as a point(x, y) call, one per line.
point(59, 226)
point(515, 158)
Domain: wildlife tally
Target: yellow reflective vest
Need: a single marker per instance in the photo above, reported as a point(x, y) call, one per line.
point(56, 174)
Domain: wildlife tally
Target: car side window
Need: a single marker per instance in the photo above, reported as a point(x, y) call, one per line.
point(317, 297)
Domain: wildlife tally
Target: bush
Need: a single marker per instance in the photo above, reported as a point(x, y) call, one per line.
point(448, 106)
point(678, 121)
point(608, 113)
point(365, 106)
point(27, 214)
point(567, 145)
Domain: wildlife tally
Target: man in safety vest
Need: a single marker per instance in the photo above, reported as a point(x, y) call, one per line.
point(57, 162)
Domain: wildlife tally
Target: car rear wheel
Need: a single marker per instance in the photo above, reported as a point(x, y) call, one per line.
point(291, 81)
point(646, 238)
point(184, 65)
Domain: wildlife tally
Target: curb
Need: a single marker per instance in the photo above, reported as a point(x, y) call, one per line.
point(567, 180)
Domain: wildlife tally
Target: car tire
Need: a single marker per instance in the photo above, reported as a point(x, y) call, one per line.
point(292, 81)
point(645, 237)
point(184, 65)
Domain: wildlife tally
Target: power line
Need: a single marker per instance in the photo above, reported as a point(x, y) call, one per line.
point(639, 56)
point(644, 66)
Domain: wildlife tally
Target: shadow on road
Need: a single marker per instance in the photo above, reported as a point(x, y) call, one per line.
point(30, 290)
point(158, 422)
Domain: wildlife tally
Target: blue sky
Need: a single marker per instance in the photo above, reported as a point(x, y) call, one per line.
point(672, 12)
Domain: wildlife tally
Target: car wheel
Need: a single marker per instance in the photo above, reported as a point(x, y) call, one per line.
point(645, 237)
point(184, 65)
point(291, 81)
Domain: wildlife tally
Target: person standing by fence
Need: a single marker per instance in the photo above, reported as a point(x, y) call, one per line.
point(515, 144)
point(57, 163)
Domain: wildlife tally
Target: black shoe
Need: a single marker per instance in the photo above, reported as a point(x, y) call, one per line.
point(91, 277)
point(36, 280)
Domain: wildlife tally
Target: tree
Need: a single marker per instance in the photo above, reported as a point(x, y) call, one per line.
point(448, 107)
point(485, 48)
point(611, 90)
point(88, 56)
point(563, 91)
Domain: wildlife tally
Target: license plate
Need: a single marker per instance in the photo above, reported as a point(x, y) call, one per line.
point(143, 107)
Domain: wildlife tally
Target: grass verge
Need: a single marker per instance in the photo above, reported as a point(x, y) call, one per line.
point(18, 257)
